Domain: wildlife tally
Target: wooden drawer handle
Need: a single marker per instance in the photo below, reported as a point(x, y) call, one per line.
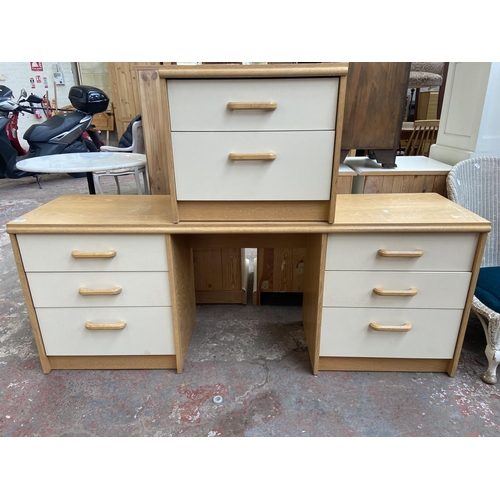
point(100, 291)
point(93, 255)
point(396, 293)
point(266, 106)
point(391, 328)
point(105, 326)
point(252, 156)
point(400, 253)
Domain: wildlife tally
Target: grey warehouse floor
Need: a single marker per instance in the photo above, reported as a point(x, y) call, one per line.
point(255, 358)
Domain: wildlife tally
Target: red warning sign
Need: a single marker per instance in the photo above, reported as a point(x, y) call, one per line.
point(36, 66)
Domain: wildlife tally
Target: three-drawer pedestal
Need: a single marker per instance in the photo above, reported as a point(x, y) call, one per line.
point(395, 295)
point(94, 295)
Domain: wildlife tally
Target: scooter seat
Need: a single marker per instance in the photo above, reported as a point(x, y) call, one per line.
point(55, 125)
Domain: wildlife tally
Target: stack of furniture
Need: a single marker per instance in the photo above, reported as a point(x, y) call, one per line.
point(375, 273)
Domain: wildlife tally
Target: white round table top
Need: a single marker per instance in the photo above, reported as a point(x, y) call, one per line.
point(81, 162)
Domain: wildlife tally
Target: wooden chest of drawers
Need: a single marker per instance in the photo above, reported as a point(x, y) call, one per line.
point(97, 296)
point(395, 295)
point(397, 288)
point(245, 143)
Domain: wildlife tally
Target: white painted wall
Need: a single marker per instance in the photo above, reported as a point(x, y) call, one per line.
point(16, 76)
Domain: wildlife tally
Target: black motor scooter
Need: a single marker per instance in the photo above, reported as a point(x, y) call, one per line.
point(69, 132)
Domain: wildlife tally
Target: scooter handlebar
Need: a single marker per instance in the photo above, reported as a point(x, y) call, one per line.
point(27, 109)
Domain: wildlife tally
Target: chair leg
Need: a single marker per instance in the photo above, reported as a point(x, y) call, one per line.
point(117, 184)
point(493, 356)
point(491, 329)
point(146, 187)
point(138, 181)
point(97, 184)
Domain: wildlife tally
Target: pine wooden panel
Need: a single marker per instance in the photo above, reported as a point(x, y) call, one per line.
point(231, 268)
point(126, 102)
point(157, 137)
point(452, 367)
point(208, 269)
point(374, 184)
point(298, 264)
point(383, 364)
point(337, 149)
point(313, 295)
point(280, 269)
point(218, 278)
point(344, 185)
point(283, 269)
point(44, 361)
point(183, 294)
point(112, 362)
point(253, 210)
point(221, 296)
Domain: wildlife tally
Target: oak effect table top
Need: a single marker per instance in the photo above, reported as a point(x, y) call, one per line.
point(408, 212)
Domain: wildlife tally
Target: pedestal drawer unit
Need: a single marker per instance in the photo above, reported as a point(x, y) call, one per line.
point(100, 295)
point(248, 142)
point(393, 295)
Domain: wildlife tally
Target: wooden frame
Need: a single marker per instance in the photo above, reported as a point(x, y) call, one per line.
point(156, 122)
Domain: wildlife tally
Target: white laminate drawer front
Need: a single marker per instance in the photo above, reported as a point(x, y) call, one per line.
point(302, 169)
point(53, 252)
point(441, 251)
point(423, 289)
point(148, 330)
point(120, 289)
point(346, 332)
point(302, 104)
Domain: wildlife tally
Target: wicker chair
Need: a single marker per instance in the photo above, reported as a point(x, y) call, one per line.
point(474, 184)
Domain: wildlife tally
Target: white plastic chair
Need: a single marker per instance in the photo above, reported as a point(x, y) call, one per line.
point(474, 184)
point(136, 147)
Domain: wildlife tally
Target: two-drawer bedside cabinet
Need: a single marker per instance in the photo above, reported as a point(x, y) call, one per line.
point(109, 281)
point(247, 143)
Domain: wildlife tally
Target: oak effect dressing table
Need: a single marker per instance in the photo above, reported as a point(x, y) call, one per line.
point(388, 279)
point(387, 286)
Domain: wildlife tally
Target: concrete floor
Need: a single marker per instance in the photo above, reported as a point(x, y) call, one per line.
point(254, 357)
